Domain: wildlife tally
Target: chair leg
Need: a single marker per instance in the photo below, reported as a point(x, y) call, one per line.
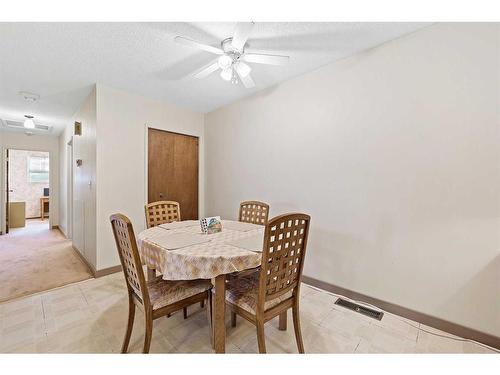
point(261, 339)
point(151, 274)
point(282, 321)
point(233, 319)
point(296, 326)
point(185, 312)
point(148, 331)
point(130, 325)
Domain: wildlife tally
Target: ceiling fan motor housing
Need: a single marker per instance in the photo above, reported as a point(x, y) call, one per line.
point(228, 47)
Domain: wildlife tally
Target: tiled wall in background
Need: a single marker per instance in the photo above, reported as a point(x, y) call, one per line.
point(23, 189)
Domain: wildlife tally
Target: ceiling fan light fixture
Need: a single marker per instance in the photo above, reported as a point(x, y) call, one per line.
point(28, 123)
point(225, 62)
point(226, 74)
point(243, 69)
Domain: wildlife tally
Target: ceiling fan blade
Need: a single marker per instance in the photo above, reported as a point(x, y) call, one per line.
point(241, 34)
point(206, 70)
point(246, 80)
point(193, 43)
point(261, 58)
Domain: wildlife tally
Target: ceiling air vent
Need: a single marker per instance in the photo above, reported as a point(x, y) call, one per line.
point(12, 124)
point(42, 127)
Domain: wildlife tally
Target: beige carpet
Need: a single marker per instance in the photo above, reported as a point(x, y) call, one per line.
point(34, 258)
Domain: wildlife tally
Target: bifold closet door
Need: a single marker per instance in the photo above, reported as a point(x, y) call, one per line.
point(173, 170)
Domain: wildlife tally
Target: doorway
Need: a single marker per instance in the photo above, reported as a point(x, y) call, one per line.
point(27, 190)
point(173, 170)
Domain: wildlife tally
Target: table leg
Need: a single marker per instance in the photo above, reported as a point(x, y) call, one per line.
point(210, 318)
point(151, 274)
point(41, 209)
point(219, 313)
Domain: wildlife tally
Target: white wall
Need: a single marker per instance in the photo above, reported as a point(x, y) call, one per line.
point(395, 154)
point(84, 180)
point(122, 121)
point(21, 141)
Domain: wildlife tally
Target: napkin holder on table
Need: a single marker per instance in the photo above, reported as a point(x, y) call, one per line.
point(210, 225)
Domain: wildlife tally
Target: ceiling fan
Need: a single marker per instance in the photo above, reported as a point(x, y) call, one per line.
point(233, 56)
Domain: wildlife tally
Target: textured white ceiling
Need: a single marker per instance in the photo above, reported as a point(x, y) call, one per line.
point(61, 61)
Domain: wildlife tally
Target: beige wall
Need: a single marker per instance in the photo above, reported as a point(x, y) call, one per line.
point(83, 219)
point(113, 174)
point(395, 154)
point(122, 121)
point(21, 141)
point(22, 189)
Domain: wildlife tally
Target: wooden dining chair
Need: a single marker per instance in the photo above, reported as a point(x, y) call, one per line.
point(156, 298)
point(254, 212)
point(162, 212)
point(276, 287)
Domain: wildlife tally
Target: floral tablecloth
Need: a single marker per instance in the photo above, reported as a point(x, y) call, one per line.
point(201, 261)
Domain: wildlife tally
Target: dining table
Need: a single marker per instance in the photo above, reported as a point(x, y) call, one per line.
point(181, 251)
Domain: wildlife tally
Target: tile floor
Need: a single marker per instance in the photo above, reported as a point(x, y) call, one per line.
point(90, 317)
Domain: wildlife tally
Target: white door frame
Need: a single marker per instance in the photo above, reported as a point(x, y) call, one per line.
point(69, 190)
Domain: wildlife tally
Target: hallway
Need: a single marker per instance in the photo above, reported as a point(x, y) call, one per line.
point(34, 259)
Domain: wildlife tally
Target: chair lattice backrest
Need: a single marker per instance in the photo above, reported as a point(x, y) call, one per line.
point(254, 212)
point(162, 212)
point(285, 241)
point(129, 256)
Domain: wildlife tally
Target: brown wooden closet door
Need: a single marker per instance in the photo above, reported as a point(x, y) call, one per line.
point(173, 170)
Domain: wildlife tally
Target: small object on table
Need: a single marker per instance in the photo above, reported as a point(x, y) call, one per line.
point(211, 225)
